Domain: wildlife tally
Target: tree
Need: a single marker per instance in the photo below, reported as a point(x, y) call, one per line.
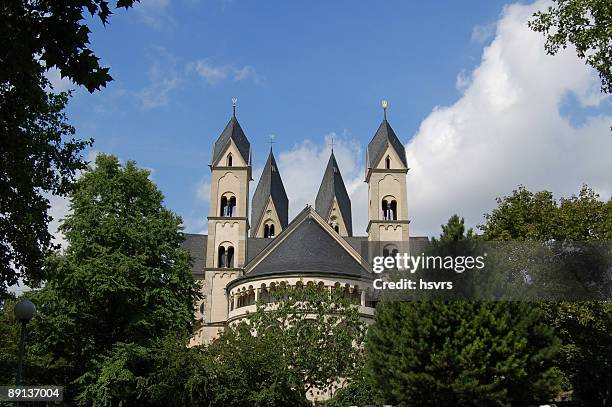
point(359, 391)
point(36, 159)
point(122, 284)
point(317, 331)
point(587, 24)
point(38, 154)
point(461, 353)
point(584, 327)
point(454, 230)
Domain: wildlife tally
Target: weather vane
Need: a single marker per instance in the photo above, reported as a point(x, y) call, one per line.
point(234, 102)
point(332, 143)
point(385, 104)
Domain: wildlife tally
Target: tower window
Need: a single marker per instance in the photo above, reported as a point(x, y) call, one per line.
point(221, 257)
point(228, 206)
point(389, 209)
point(225, 257)
point(388, 162)
point(269, 230)
point(337, 228)
point(229, 160)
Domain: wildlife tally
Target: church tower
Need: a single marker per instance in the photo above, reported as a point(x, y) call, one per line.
point(386, 177)
point(228, 224)
point(333, 202)
point(270, 213)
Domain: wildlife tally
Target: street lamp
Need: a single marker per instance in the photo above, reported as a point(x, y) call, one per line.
point(24, 311)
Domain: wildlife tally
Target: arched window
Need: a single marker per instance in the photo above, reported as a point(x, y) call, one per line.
point(221, 259)
point(229, 160)
point(337, 228)
point(388, 162)
point(230, 257)
point(272, 230)
point(223, 207)
point(266, 230)
point(389, 209)
point(231, 206)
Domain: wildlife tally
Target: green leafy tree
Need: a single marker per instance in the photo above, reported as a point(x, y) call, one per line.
point(460, 353)
point(584, 327)
point(39, 155)
point(587, 24)
point(318, 332)
point(359, 391)
point(121, 285)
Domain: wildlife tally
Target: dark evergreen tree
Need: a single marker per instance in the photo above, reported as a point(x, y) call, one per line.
point(461, 353)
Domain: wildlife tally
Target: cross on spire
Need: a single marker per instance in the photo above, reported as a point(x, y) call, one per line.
point(271, 141)
point(385, 104)
point(332, 143)
point(234, 102)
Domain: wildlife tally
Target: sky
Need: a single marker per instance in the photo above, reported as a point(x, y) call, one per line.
point(472, 94)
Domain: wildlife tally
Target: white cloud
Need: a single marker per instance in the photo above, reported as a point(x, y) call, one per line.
point(163, 79)
point(484, 32)
point(217, 73)
point(307, 161)
point(155, 13)
point(506, 130)
point(203, 190)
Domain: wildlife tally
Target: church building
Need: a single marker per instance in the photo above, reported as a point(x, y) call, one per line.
point(244, 257)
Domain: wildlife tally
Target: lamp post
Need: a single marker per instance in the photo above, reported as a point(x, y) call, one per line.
point(24, 311)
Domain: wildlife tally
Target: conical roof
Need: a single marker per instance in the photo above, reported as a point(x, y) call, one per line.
point(385, 136)
point(234, 132)
point(270, 185)
point(332, 186)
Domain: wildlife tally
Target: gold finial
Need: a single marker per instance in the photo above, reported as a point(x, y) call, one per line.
point(385, 104)
point(234, 102)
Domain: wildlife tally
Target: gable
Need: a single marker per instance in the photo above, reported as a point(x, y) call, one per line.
point(396, 161)
point(309, 247)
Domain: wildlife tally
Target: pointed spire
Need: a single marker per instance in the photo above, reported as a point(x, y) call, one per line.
point(384, 136)
point(332, 187)
point(270, 185)
point(232, 132)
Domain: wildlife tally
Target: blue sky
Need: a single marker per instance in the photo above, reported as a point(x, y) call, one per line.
point(304, 71)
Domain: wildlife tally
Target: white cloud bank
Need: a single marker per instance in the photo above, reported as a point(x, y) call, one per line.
point(217, 73)
point(507, 130)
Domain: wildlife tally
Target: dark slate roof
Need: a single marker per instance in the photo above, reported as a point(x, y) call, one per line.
point(196, 246)
point(385, 135)
point(256, 246)
point(332, 186)
point(356, 243)
point(270, 185)
point(232, 131)
point(308, 249)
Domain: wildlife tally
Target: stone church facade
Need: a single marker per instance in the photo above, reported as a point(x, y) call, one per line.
point(243, 258)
